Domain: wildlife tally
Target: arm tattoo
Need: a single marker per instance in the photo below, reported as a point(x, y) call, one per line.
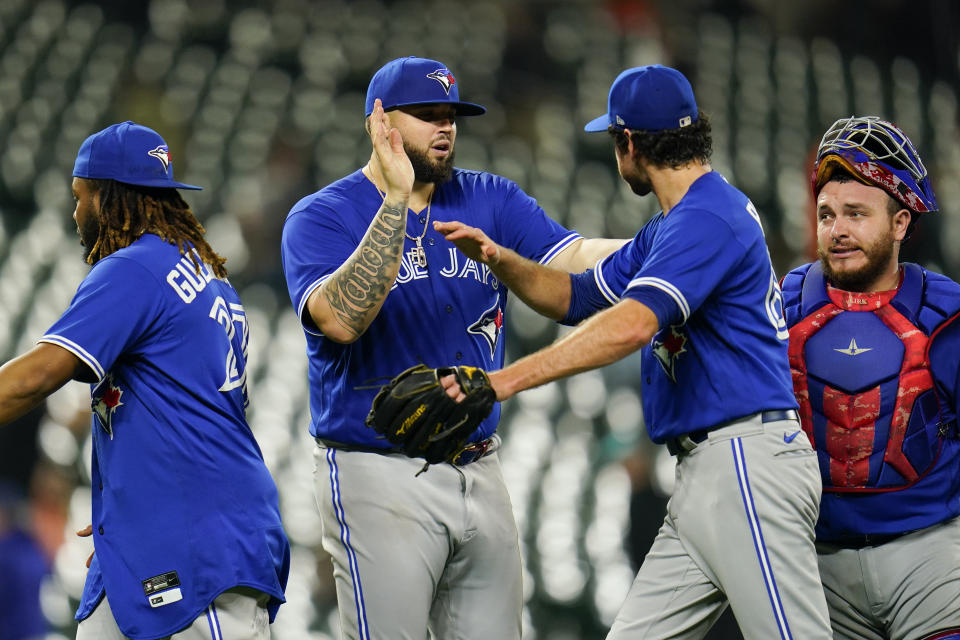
point(364, 280)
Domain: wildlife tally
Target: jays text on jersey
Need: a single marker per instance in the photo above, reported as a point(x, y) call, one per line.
point(184, 507)
point(450, 311)
point(704, 270)
point(879, 374)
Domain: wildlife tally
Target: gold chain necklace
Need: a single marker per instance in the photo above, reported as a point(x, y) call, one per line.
point(418, 253)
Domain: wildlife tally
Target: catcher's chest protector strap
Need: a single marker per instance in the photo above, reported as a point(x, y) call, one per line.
point(860, 369)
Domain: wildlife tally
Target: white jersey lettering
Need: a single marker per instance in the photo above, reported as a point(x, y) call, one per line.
point(186, 280)
point(451, 270)
point(183, 289)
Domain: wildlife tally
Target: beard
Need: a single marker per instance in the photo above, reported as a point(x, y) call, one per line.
point(427, 170)
point(878, 254)
point(636, 178)
point(89, 233)
point(637, 184)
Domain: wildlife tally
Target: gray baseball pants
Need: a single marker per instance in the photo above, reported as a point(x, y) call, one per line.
point(436, 552)
point(907, 588)
point(739, 530)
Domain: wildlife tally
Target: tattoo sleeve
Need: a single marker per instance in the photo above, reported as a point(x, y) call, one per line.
point(359, 287)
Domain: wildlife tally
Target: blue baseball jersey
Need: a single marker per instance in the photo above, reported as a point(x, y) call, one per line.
point(184, 507)
point(704, 270)
point(449, 312)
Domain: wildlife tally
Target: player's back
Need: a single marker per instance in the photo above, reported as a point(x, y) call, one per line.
point(192, 340)
point(179, 480)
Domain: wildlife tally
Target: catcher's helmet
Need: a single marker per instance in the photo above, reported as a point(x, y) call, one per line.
point(876, 153)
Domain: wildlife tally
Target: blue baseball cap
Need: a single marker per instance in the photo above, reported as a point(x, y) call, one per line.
point(413, 80)
point(650, 98)
point(130, 153)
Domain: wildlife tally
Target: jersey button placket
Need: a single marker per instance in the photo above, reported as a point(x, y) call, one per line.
point(100, 530)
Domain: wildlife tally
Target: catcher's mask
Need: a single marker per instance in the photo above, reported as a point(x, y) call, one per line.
point(876, 153)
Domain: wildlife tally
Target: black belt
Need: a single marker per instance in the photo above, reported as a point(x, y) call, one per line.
point(865, 540)
point(688, 441)
point(471, 453)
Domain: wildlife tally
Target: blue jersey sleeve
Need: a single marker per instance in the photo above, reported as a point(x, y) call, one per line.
point(691, 254)
point(313, 247)
point(524, 227)
point(614, 272)
point(599, 288)
point(114, 307)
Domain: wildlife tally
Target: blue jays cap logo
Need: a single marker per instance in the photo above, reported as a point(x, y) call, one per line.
point(667, 347)
point(161, 153)
point(445, 78)
point(106, 400)
point(489, 327)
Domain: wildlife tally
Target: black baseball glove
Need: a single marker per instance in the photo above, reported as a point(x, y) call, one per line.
point(414, 412)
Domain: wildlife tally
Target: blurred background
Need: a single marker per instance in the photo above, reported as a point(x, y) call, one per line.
point(261, 103)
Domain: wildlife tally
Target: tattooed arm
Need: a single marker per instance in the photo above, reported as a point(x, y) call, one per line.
point(349, 300)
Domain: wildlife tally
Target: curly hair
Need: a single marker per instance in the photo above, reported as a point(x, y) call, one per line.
point(129, 211)
point(671, 148)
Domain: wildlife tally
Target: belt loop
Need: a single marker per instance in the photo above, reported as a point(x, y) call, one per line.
point(682, 444)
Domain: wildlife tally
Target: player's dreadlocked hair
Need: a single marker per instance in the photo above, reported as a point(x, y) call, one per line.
point(128, 211)
point(673, 148)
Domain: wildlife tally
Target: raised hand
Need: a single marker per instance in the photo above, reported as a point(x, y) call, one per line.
point(388, 146)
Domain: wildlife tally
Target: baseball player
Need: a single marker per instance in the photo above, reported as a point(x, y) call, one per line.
point(695, 290)
point(875, 354)
point(377, 291)
point(186, 525)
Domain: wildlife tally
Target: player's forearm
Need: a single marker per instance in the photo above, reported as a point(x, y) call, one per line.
point(345, 305)
point(602, 339)
point(27, 379)
point(544, 289)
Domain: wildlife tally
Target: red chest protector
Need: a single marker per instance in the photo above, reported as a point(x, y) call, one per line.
point(861, 375)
